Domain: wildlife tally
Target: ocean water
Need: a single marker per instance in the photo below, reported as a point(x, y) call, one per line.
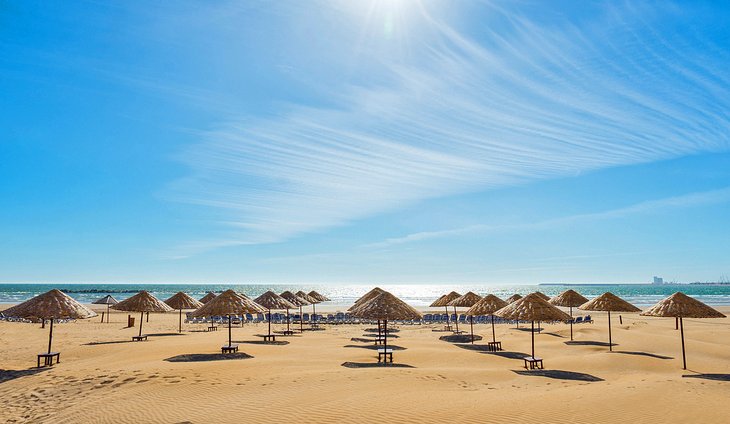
point(418, 295)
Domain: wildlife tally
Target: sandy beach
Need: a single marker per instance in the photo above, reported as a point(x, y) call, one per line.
point(103, 377)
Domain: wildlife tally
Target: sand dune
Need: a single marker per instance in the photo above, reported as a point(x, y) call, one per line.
point(106, 379)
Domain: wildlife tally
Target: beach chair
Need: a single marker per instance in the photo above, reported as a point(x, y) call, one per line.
point(578, 320)
point(588, 319)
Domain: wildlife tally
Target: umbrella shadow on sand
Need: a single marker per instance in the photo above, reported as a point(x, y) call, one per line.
point(714, 377)
point(205, 357)
point(375, 330)
point(107, 343)
point(390, 336)
point(589, 343)
point(460, 338)
point(559, 375)
point(164, 334)
point(375, 365)
point(7, 375)
point(485, 349)
point(374, 347)
point(651, 355)
point(262, 342)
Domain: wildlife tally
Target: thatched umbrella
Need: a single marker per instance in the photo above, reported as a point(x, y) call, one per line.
point(608, 302)
point(466, 301)
point(444, 301)
point(385, 307)
point(542, 295)
point(207, 298)
point(488, 306)
point(142, 302)
point(367, 296)
point(298, 301)
point(569, 299)
point(514, 297)
point(229, 303)
point(320, 297)
point(532, 308)
point(107, 300)
point(51, 305)
point(679, 305)
point(182, 300)
point(312, 301)
point(271, 300)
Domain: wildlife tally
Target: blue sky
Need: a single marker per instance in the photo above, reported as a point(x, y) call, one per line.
point(374, 141)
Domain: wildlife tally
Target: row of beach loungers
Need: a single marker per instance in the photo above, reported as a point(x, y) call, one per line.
point(346, 318)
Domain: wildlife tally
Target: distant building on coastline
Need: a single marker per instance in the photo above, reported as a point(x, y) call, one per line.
point(658, 280)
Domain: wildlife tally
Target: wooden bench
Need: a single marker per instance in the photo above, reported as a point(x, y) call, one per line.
point(287, 332)
point(385, 354)
point(533, 363)
point(48, 358)
point(379, 340)
point(268, 337)
point(212, 328)
point(139, 338)
point(494, 346)
point(229, 348)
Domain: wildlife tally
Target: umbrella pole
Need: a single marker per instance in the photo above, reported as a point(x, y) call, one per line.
point(141, 318)
point(269, 320)
point(385, 339)
point(471, 323)
point(179, 329)
point(676, 323)
point(301, 320)
point(287, 320)
point(457, 320)
point(50, 336)
point(571, 323)
point(533, 339)
point(229, 330)
point(448, 327)
point(108, 311)
point(314, 314)
point(610, 344)
point(681, 332)
point(494, 337)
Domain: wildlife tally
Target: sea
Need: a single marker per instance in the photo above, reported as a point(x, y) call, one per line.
point(418, 295)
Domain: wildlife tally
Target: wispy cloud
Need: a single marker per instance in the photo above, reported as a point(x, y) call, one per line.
point(459, 115)
point(685, 201)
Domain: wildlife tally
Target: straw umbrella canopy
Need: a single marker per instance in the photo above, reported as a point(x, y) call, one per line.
point(466, 301)
point(487, 306)
point(514, 297)
point(679, 305)
point(444, 301)
point(271, 300)
point(51, 305)
point(229, 303)
point(298, 301)
point(312, 301)
point(142, 302)
point(182, 300)
point(367, 296)
point(385, 306)
point(320, 297)
point(609, 302)
point(107, 300)
point(207, 298)
point(569, 299)
point(542, 295)
point(532, 308)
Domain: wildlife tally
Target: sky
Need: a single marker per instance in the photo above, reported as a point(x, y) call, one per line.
point(372, 141)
